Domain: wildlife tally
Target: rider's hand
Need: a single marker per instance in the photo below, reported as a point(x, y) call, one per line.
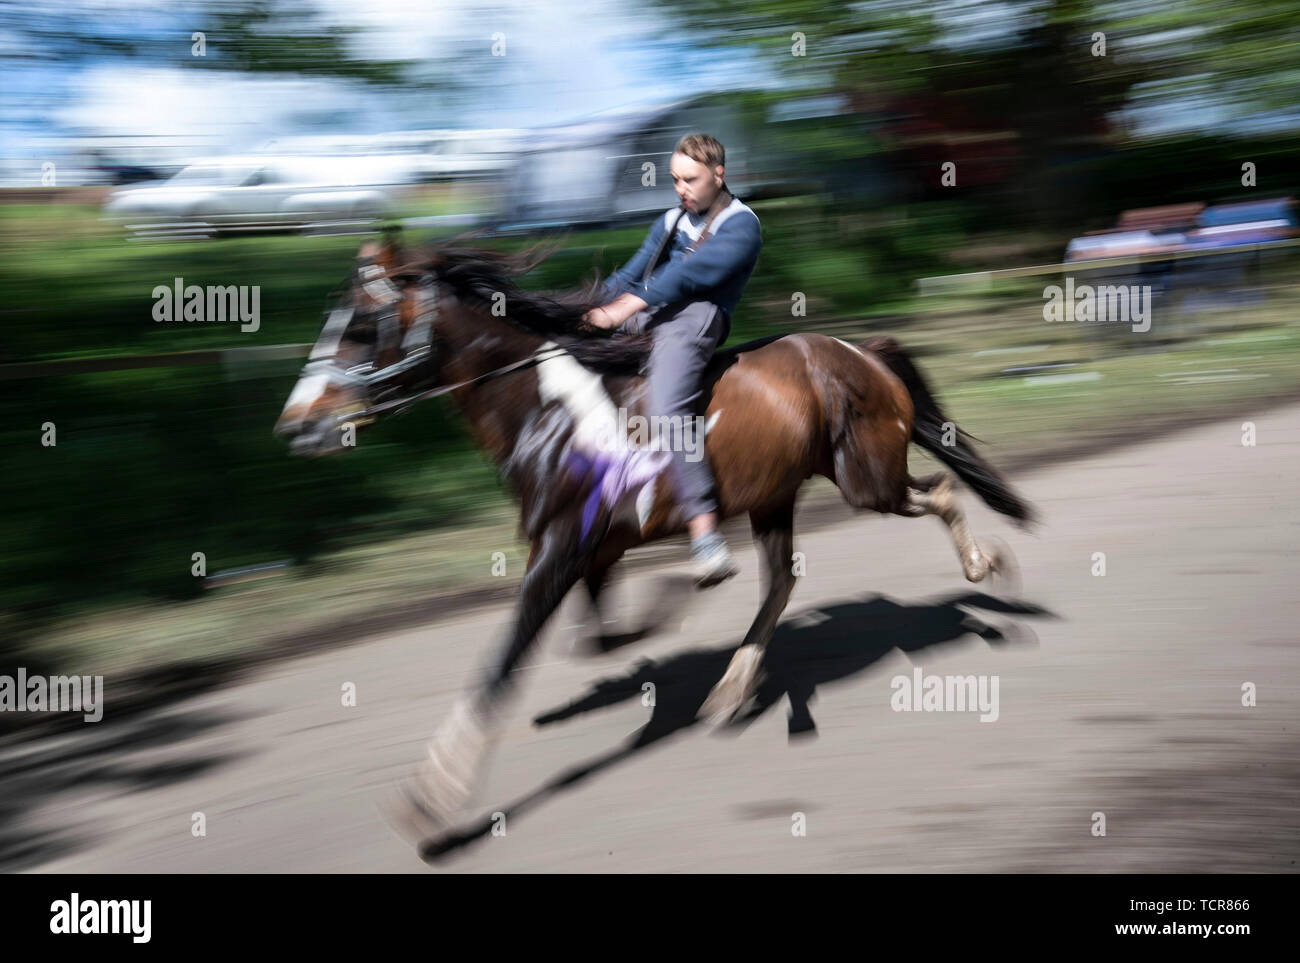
point(616, 312)
point(601, 318)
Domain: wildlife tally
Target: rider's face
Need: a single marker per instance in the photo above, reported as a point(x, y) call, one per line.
point(697, 186)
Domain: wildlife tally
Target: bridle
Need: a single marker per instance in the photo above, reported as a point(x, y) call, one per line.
point(416, 347)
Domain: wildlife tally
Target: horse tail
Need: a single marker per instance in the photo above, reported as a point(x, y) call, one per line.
point(930, 425)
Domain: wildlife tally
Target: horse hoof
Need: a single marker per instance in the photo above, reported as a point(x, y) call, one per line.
point(429, 805)
point(413, 818)
point(721, 708)
point(733, 691)
point(1003, 567)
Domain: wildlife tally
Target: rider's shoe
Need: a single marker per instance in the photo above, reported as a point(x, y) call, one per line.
point(711, 560)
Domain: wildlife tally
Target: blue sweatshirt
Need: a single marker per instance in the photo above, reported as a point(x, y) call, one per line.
point(717, 272)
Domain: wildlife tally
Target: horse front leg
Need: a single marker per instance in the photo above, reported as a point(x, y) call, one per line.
point(445, 778)
point(774, 535)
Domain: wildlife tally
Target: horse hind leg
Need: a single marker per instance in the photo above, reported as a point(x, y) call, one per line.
point(869, 466)
point(774, 535)
point(934, 495)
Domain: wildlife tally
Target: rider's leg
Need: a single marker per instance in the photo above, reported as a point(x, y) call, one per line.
point(683, 345)
point(703, 524)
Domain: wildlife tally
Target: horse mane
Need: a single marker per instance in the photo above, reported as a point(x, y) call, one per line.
point(478, 276)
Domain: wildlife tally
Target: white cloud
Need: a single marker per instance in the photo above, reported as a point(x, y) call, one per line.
point(239, 109)
point(563, 61)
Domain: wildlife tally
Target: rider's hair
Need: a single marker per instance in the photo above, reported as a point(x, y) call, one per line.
point(703, 149)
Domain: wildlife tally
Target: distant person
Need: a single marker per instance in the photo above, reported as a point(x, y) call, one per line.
point(685, 301)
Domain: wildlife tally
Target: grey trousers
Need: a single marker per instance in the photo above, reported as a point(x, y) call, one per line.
point(684, 341)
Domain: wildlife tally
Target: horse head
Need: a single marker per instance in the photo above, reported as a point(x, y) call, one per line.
point(377, 339)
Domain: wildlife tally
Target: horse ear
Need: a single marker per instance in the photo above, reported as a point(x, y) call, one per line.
point(385, 252)
point(392, 246)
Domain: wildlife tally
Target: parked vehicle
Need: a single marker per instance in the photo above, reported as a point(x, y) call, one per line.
point(265, 192)
point(1121, 244)
point(1213, 254)
point(1249, 222)
point(1189, 227)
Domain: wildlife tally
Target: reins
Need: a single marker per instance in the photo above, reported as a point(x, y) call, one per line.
point(417, 344)
point(386, 406)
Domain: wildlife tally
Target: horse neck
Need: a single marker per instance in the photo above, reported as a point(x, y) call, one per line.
point(473, 342)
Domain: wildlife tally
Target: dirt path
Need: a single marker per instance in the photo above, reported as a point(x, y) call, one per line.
point(1118, 695)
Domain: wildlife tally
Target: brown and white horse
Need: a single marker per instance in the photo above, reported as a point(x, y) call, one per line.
point(528, 375)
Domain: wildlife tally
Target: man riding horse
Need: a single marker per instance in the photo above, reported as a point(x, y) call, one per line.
point(686, 301)
point(538, 383)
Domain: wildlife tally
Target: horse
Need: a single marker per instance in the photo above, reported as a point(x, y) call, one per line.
point(531, 378)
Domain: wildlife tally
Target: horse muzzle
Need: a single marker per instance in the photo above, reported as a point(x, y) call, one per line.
point(314, 436)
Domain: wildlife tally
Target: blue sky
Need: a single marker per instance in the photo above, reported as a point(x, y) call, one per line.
point(564, 60)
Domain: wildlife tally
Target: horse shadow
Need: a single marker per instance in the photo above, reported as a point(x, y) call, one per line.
point(818, 646)
point(105, 757)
